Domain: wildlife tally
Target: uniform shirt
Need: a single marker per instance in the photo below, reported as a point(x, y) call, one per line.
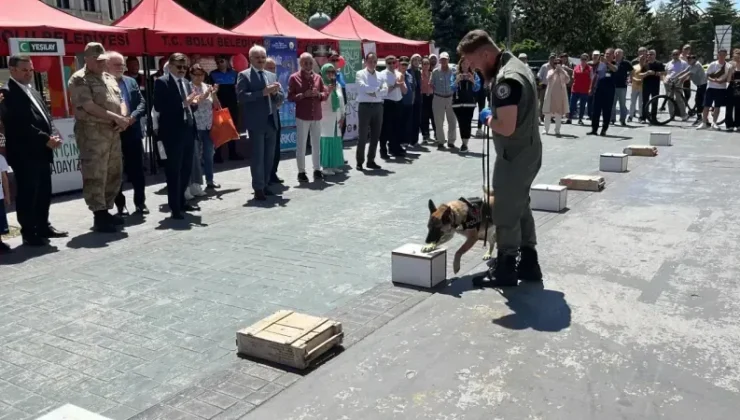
point(394, 92)
point(716, 70)
point(698, 75)
point(226, 81)
point(101, 89)
point(441, 82)
point(367, 83)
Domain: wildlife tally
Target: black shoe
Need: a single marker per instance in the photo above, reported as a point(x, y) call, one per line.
point(502, 273)
point(142, 209)
point(103, 222)
point(373, 165)
point(463, 148)
point(529, 266)
point(302, 177)
point(259, 195)
point(593, 133)
point(34, 241)
point(346, 162)
point(52, 232)
point(569, 121)
point(441, 147)
point(176, 215)
point(276, 180)
point(114, 220)
point(318, 175)
point(623, 123)
point(268, 192)
point(399, 153)
point(4, 248)
point(190, 207)
point(451, 146)
point(212, 186)
point(629, 119)
point(359, 167)
point(384, 155)
point(603, 133)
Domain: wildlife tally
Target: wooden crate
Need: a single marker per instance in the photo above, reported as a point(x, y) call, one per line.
point(583, 182)
point(289, 338)
point(636, 150)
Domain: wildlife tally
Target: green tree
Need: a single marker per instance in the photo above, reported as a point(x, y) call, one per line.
point(718, 12)
point(685, 15)
point(664, 32)
point(625, 25)
point(533, 49)
point(451, 19)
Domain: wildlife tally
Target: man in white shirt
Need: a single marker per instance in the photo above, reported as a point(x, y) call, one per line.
point(717, 75)
point(371, 90)
point(390, 140)
point(673, 81)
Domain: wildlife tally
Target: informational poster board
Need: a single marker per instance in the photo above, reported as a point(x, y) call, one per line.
point(65, 171)
point(351, 51)
point(284, 51)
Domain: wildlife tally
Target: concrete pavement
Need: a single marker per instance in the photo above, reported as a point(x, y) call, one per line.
point(141, 324)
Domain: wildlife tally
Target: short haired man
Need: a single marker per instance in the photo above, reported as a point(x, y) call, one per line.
point(29, 147)
point(441, 81)
point(100, 116)
point(132, 146)
point(516, 138)
point(390, 141)
point(718, 73)
point(624, 71)
point(651, 75)
point(371, 90)
point(306, 89)
point(698, 76)
point(259, 93)
point(674, 81)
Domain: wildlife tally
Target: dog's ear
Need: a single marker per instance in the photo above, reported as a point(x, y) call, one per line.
point(447, 216)
point(432, 207)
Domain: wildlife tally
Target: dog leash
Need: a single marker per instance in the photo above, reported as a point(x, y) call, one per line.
point(486, 169)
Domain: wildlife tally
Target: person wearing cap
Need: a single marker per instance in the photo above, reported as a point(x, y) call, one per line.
point(442, 102)
point(516, 139)
point(100, 116)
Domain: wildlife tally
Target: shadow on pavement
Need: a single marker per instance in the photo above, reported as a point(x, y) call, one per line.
point(91, 240)
point(535, 307)
point(320, 361)
point(272, 201)
point(187, 223)
point(24, 253)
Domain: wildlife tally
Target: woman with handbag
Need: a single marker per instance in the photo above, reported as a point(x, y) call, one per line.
point(204, 150)
point(332, 119)
point(732, 111)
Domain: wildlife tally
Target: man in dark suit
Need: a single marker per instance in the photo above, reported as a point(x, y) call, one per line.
point(30, 151)
point(132, 146)
point(274, 178)
point(175, 102)
point(259, 94)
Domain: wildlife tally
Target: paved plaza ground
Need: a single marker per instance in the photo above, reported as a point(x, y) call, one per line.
point(638, 317)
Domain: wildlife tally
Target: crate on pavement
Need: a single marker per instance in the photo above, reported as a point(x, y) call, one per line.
point(289, 338)
point(641, 150)
point(583, 182)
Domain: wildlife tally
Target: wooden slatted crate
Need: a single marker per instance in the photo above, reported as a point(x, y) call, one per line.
point(289, 338)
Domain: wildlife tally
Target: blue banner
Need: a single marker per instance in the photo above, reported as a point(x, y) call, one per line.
point(284, 51)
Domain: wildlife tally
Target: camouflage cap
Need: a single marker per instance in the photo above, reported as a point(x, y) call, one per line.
point(95, 50)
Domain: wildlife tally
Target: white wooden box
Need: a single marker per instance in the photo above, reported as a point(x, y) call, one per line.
point(289, 338)
point(548, 197)
point(423, 269)
point(662, 138)
point(613, 162)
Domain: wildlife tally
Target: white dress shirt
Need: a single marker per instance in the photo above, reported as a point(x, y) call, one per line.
point(370, 83)
point(390, 79)
point(27, 90)
point(185, 83)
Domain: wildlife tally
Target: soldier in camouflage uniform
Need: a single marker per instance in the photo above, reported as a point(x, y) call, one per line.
point(514, 125)
point(100, 116)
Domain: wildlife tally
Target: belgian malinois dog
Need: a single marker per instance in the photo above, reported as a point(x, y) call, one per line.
point(470, 217)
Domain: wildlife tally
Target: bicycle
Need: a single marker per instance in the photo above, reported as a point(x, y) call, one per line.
point(666, 106)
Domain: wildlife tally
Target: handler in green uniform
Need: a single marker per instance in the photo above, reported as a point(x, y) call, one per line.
point(514, 125)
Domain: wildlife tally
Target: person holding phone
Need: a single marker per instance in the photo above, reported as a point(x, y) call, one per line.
point(556, 97)
point(204, 151)
point(604, 92)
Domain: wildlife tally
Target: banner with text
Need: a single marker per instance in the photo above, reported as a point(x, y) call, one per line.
point(352, 53)
point(65, 171)
point(284, 51)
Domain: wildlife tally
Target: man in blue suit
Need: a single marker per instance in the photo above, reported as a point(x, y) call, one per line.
point(259, 93)
point(131, 138)
point(175, 102)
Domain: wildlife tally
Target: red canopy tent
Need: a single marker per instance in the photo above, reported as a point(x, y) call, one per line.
point(170, 28)
point(350, 24)
point(35, 19)
point(272, 19)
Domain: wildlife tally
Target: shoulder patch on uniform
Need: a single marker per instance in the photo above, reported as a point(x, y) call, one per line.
point(503, 90)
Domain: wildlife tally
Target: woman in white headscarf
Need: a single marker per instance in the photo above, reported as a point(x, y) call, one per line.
point(556, 97)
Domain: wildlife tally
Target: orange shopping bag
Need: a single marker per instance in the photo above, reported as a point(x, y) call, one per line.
point(223, 129)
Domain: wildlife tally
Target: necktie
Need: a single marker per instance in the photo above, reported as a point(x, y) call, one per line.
point(183, 94)
point(269, 97)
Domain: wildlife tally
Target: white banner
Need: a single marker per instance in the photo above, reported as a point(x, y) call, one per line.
point(723, 39)
point(65, 171)
point(368, 47)
point(350, 112)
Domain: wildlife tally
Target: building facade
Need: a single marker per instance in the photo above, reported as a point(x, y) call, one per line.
point(98, 11)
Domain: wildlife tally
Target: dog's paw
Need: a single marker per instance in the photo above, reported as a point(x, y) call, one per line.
point(486, 256)
point(428, 247)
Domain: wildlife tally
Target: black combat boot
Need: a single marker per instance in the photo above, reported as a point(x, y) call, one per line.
point(529, 267)
point(102, 222)
point(502, 273)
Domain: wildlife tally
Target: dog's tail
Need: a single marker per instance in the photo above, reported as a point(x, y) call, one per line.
point(487, 192)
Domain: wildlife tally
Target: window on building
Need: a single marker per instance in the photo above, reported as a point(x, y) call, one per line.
point(127, 6)
point(89, 5)
point(63, 4)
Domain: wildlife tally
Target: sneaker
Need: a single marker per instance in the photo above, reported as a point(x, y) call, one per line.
point(302, 177)
point(730, 129)
point(545, 132)
point(197, 191)
point(479, 133)
point(463, 148)
point(441, 147)
point(715, 127)
point(317, 175)
point(702, 126)
point(528, 268)
point(328, 171)
point(685, 118)
point(359, 167)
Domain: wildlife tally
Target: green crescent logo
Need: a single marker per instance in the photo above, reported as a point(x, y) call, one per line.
point(24, 47)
